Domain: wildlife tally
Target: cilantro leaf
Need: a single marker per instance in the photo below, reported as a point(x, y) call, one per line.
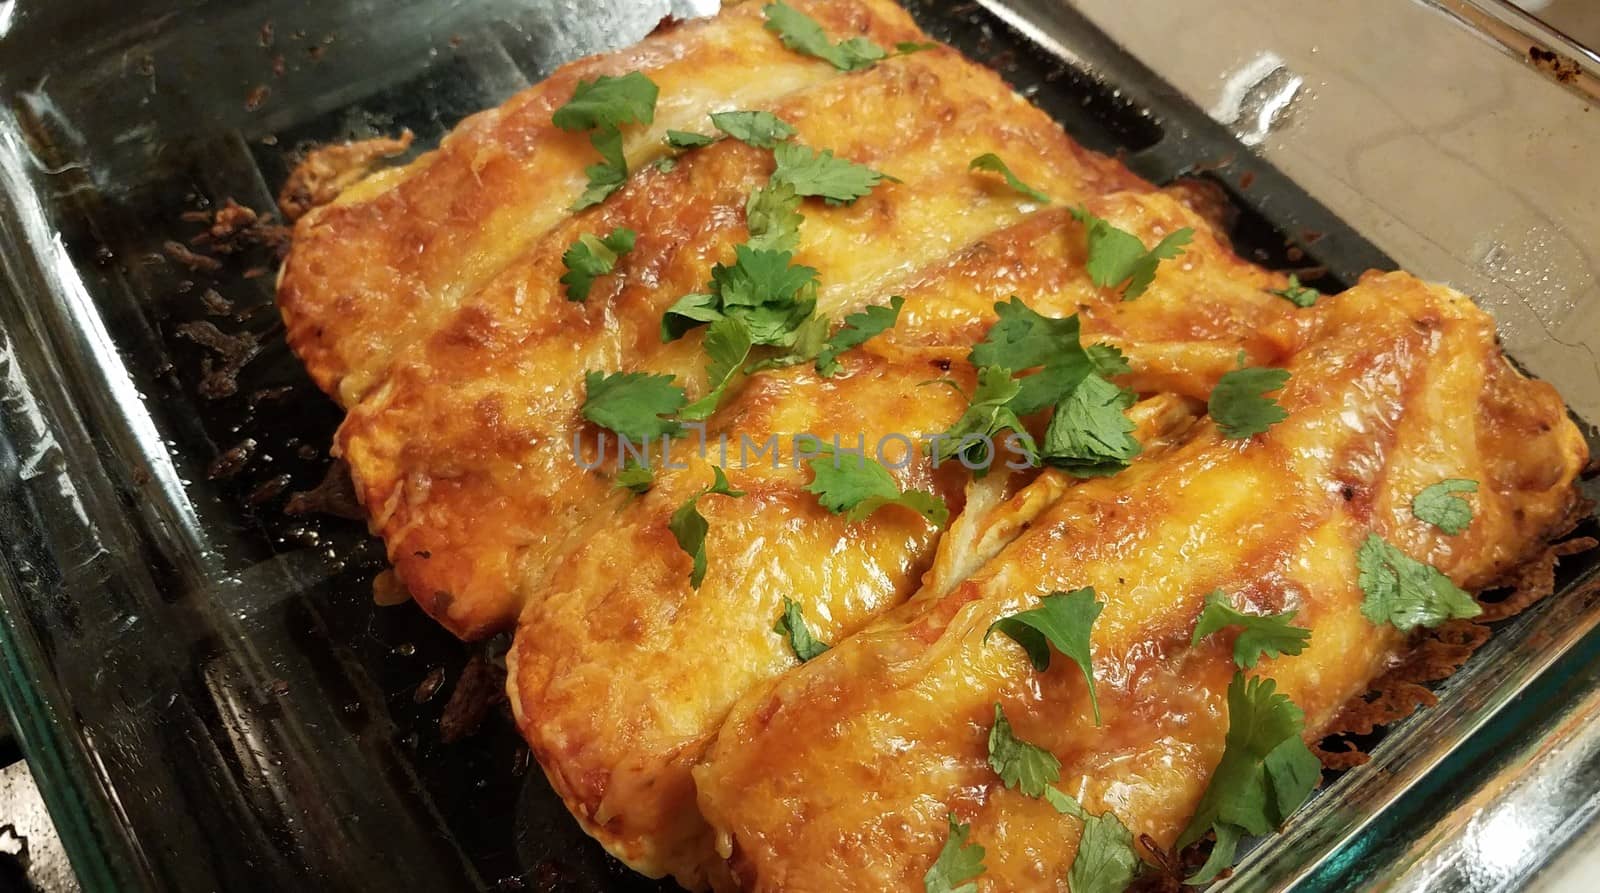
point(991, 162)
point(1106, 861)
point(764, 130)
point(1090, 434)
point(792, 625)
point(666, 164)
point(1118, 257)
point(801, 33)
point(771, 295)
point(635, 477)
point(689, 527)
point(683, 139)
point(1296, 294)
point(907, 47)
point(858, 486)
point(633, 404)
point(988, 413)
point(1022, 338)
point(1263, 634)
point(1438, 507)
point(1406, 593)
point(1108, 360)
point(1266, 772)
point(727, 343)
point(958, 863)
point(759, 276)
point(808, 339)
point(1063, 621)
point(610, 174)
point(772, 214)
point(609, 102)
point(603, 106)
point(688, 312)
point(1052, 383)
point(858, 328)
point(1021, 766)
point(1239, 404)
point(839, 181)
point(589, 257)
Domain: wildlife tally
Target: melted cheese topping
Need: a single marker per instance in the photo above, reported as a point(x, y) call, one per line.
point(677, 726)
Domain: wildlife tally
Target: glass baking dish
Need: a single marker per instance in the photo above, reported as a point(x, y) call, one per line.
point(202, 682)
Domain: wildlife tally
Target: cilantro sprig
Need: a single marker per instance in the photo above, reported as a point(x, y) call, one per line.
point(856, 486)
point(590, 257)
point(771, 296)
point(727, 344)
point(609, 102)
point(635, 405)
point(1238, 402)
point(1438, 505)
point(988, 413)
point(858, 328)
point(1106, 861)
point(1021, 766)
point(1118, 258)
point(1089, 434)
point(602, 106)
point(1266, 772)
point(1022, 338)
point(802, 33)
point(957, 864)
point(607, 176)
point(634, 477)
point(689, 527)
point(1262, 635)
point(989, 161)
point(792, 626)
point(1062, 622)
point(683, 139)
point(1404, 592)
point(764, 130)
point(1296, 294)
point(837, 181)
point(772, 215)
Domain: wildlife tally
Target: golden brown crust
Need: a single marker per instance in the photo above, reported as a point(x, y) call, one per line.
point(327, 171)
point(374, 272)
point(454, 448)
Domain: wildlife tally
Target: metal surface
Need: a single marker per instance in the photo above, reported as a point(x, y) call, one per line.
point(208, 694)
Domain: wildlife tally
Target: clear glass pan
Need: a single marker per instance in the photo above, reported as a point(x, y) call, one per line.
point(202, 683)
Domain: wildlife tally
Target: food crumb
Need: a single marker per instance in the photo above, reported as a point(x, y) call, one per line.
point(257, 96)
point(216, 304)
point(232, 461)
point(180, 254)
point(219, 374)
point(429, 686)
point(268, 490)
point(480, 687)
